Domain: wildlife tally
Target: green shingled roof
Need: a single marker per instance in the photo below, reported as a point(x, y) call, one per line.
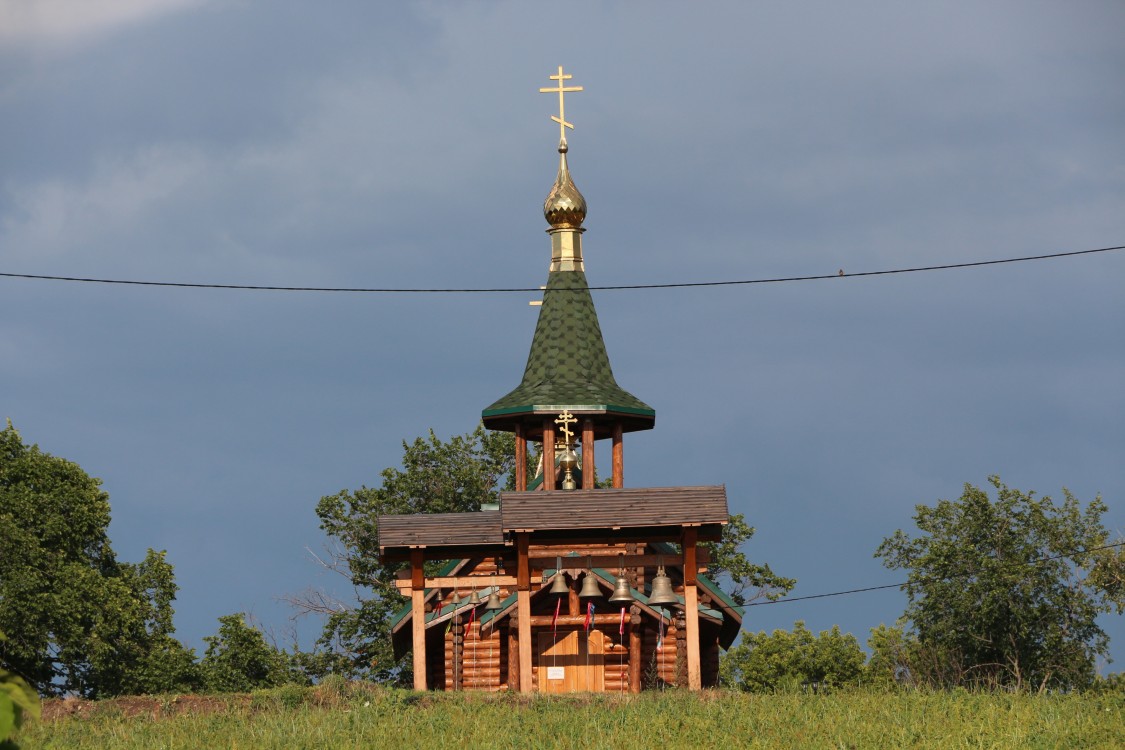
point(568, 366)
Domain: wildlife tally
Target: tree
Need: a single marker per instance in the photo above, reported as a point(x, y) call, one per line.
point(892, 652)
point(438, 476)
point(239, 659)
point(782, 660)
point(18, 703)
point(77, 619)
point(746, 581)
point(1005, 592)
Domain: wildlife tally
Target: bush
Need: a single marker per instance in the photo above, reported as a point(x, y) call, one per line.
point(783, 661)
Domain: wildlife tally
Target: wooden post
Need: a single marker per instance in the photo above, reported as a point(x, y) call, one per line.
point(523, 611)
point(513, 654)
point(691, 609)
point(548, 455)
point(618, 457)
point(521, 459)
point(418, 617)
point(588, 467)
point(636, 668)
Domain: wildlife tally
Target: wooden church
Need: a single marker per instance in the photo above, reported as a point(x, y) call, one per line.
point(562, 586)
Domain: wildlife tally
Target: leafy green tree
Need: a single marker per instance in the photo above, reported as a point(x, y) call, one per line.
point(783, 660)
point(77, 619)
point(240, 659)
point(892, 652)
point(744, 580)
point(436, 477)
point(1004, 592)
point(18, 702)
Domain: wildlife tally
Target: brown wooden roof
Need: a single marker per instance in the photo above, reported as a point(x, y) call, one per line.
point(631, 508)
point(440, 529)
point(646, 514)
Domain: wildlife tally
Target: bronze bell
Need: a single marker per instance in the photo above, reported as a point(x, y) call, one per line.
point(590, 587)
point(493, 600)
point(621, 592)
point(456, 598)
point(474, 598)
point(560, 586)
point(662, 589)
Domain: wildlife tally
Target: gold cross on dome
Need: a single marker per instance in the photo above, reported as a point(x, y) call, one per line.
point(566, 419)
point(561, 90)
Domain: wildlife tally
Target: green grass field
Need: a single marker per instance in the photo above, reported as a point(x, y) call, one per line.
point(357, 716)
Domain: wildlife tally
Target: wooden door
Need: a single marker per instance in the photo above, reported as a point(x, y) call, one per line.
point(572, 662)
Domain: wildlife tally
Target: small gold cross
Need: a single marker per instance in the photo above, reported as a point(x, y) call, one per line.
point(566, 419)
point(560, 89)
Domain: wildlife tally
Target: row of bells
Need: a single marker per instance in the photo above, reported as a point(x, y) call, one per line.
point(662, 593)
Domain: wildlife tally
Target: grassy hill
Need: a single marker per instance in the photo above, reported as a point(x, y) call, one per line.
point(364, 716)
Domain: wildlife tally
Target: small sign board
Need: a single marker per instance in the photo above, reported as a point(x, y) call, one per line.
point(556, 673)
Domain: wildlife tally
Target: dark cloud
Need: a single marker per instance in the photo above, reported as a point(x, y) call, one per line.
point(407, 146)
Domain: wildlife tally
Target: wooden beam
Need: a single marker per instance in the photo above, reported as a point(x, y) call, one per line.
point(691, 610)
point(417, 569)
point(539, 559)
point(691, 555)
point(636, 623)
point(466, 582)
point(548, 454)
point(418, 620)
point(523, 570)
point(588, 466)
point(523, 612)
point(521, 459)
point(618, 456)
point(613, 618)
point(513, 656)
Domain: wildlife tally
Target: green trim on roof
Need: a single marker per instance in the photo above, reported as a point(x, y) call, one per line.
point(555, 408)
point(446, 569)
point(668, 548)
point(491, 614)
point(568, 366)
point(718, 593)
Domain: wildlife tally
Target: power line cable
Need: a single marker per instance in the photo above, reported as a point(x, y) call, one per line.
point(906, 583)
point(500, 290)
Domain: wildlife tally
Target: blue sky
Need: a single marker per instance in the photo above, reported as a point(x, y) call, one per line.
point(405, 145)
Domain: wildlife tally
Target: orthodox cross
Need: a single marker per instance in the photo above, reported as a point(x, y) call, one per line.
point(566, 419)
point(561, 90)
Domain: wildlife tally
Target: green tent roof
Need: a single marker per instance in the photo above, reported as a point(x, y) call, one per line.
point(568, 366)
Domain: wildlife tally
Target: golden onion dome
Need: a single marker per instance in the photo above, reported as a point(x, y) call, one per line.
point(565, 208)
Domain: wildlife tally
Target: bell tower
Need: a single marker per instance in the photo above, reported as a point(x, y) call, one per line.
point(568, 369)
point(645, 606)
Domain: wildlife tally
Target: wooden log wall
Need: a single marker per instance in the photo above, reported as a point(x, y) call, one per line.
point(489, 663)
point(658, 666)
point(616, 661)
point(484, 660)
point(709, 655)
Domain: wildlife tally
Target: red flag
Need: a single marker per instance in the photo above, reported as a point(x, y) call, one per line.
point(589, 616)
point(621, 630)
point(555, 619)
